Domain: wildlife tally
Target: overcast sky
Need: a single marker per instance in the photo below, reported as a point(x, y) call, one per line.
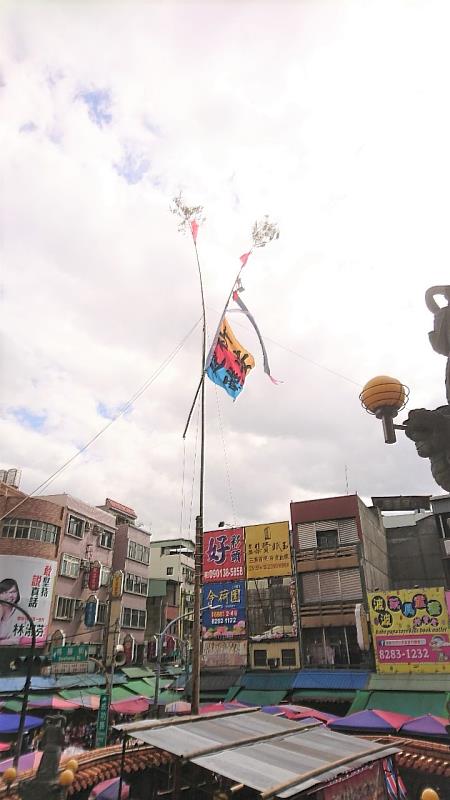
point(331, 117)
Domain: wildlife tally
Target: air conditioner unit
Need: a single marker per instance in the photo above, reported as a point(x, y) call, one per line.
point(88, 526)
point(85, 565)
point(273, 663)
point(79, 605)
point(96, 530)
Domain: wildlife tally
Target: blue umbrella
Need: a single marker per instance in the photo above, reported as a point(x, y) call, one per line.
point(9, 723)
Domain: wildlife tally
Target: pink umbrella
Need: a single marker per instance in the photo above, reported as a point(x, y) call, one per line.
point(5, 746)
point(53, 701)
point(135, 705)
point(216, 708)
point(109, 790)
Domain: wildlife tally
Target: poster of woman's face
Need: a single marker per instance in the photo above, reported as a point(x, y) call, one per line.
point(25, 583)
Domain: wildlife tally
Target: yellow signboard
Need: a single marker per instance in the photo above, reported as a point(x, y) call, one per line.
point(267, 550)
point(410, 629)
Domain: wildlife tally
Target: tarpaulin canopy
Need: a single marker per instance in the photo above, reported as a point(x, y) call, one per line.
point(53, 701)
point(9, 723)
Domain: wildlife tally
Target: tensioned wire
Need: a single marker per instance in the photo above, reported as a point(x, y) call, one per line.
point(139, 392)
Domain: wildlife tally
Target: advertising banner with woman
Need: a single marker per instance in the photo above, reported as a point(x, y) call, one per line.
point(29, 583)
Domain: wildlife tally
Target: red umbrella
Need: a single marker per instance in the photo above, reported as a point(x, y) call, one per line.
point(109, 790)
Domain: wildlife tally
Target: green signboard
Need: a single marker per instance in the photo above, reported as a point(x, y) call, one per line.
point(101, 736)
point(71, 652)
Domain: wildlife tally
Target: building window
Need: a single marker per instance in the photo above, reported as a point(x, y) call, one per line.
point(260, 658)
point(133, 618)
point(106, 539)
point(75, 527)
point(288, 658)
point(135, 584)
point(101, 613)
point(30, 529)
point(169, 571)
point(69, 566)
point(138, 552)
point(105, 572)
point(327, 540)
point(65, 608)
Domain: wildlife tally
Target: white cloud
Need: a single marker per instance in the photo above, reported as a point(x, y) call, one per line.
point(328, 116)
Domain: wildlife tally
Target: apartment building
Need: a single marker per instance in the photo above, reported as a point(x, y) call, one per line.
point(341, 554)
point(132, 556)
point(85, 557)
point(171, 592)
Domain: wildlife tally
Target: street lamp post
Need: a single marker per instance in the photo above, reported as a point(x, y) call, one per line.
point(159, 642)
point(27, 684)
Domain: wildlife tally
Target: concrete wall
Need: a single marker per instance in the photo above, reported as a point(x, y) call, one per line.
point(126, 533)
point(274, 651)
point(415, 555)
point(374, 548)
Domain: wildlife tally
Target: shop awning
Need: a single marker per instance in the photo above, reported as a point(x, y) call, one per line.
point(135, 705)
point(254, 698)
point(118, 693)
point(137, 672)
point(231, 694)
point(142, 688)
point(416, 704)
point(83, 697)
point(323, 696)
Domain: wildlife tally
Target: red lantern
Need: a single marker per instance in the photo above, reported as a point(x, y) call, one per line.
point(94, 576)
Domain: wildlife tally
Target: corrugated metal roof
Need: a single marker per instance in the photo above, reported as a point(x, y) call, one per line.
point(267, 681)
point(213, 682)
point(331, 679)
point(292, 757)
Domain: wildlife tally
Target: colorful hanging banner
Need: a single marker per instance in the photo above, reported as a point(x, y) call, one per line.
point(410, 630)
point(230, 362)
point(227, 617)
point(267, 550)
point(223, 555)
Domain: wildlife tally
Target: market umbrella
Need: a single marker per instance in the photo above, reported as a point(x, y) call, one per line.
point(53, 701)
point(82, 698)
point(26, 762)
point(308, 713)
point(109, 790)
point(370, 720)
point(211, 708)
point(9, 723)
point(428, 725)
point(179, 707)
point(5, 746)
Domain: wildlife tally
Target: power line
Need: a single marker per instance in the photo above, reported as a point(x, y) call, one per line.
point(110, 422)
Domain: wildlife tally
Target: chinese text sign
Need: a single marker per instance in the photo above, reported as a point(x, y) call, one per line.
point(223, 555)
point(227, 617)
point(410, 630)
point(224, 654)
point(268, 550)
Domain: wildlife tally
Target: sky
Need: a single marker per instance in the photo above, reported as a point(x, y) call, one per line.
point(330, 117)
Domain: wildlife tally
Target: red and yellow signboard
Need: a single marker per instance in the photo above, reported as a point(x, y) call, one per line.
point(410, 629)
point(267, 550)
point(223, 555)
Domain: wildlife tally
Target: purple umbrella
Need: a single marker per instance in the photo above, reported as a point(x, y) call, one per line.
point(109, 790)
point(428, 725)
point(370, 720)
